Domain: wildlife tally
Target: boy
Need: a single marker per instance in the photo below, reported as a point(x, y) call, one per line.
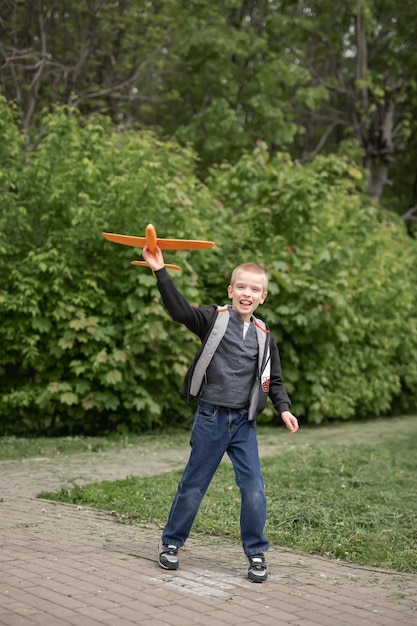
point(235, 370)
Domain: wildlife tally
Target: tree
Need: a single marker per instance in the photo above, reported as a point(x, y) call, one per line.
point(93, 54)
point(362, 54)
point(212, 77)
point(298, 75)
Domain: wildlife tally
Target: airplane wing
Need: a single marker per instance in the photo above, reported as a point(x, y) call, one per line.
point(164, 244)
point(126, 240)
point(183, 244)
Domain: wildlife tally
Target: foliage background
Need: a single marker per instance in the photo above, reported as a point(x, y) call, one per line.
point(85, 344)
point(222, 74)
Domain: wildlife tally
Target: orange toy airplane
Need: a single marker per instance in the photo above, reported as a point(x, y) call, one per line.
point(151, 240)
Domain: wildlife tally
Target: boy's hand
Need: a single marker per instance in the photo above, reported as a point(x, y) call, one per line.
point(154, 260)
point(290, 421)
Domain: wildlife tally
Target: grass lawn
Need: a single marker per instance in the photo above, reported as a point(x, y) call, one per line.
point(17, 448)
point(351, 498)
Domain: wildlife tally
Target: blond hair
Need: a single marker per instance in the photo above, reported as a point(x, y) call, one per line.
point(250, 267)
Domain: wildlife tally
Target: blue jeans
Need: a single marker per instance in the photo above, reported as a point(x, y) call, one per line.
point(217, 430)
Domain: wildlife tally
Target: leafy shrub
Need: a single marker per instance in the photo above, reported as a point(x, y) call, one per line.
point(85, 343)
point(341, 301)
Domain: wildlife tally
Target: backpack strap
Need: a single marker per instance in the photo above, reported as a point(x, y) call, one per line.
point(210, 347)
point(264, 354)
point(264, 367)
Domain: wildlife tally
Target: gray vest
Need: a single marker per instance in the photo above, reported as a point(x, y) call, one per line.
point(211, 345)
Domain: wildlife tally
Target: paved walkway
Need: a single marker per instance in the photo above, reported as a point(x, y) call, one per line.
point(64, 565)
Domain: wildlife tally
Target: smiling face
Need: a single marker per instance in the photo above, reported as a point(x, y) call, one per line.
point(247, 291)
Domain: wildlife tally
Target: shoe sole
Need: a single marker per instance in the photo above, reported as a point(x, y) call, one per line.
point(168, 567)
point(257, 580)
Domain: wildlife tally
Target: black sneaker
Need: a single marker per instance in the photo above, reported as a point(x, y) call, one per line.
point(257, 571)
point(168, 556)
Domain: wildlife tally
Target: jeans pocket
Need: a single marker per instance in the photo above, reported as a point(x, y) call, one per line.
point(207, 411)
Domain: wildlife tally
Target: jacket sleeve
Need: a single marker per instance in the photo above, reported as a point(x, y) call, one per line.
point(196, 319)
point(277, 390)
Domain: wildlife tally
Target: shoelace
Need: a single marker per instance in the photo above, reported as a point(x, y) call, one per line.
point(257, 564)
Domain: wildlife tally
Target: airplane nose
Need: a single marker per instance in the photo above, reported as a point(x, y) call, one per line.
point(150, 234)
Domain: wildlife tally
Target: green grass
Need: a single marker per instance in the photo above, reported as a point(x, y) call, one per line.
point(354, 502)
point(17, 448)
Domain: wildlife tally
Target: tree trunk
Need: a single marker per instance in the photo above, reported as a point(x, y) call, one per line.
point(373, 129)
point(380, 149)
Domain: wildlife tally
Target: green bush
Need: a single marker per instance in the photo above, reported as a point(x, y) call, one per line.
point(341, 300)
point(85, 343)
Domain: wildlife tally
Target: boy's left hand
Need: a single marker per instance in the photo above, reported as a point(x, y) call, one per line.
point(290, 421)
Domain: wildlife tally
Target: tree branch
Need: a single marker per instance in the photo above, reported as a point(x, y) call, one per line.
point(320, 143)
point(410, 215)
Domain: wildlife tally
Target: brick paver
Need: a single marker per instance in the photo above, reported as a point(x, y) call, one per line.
point(64, 565)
